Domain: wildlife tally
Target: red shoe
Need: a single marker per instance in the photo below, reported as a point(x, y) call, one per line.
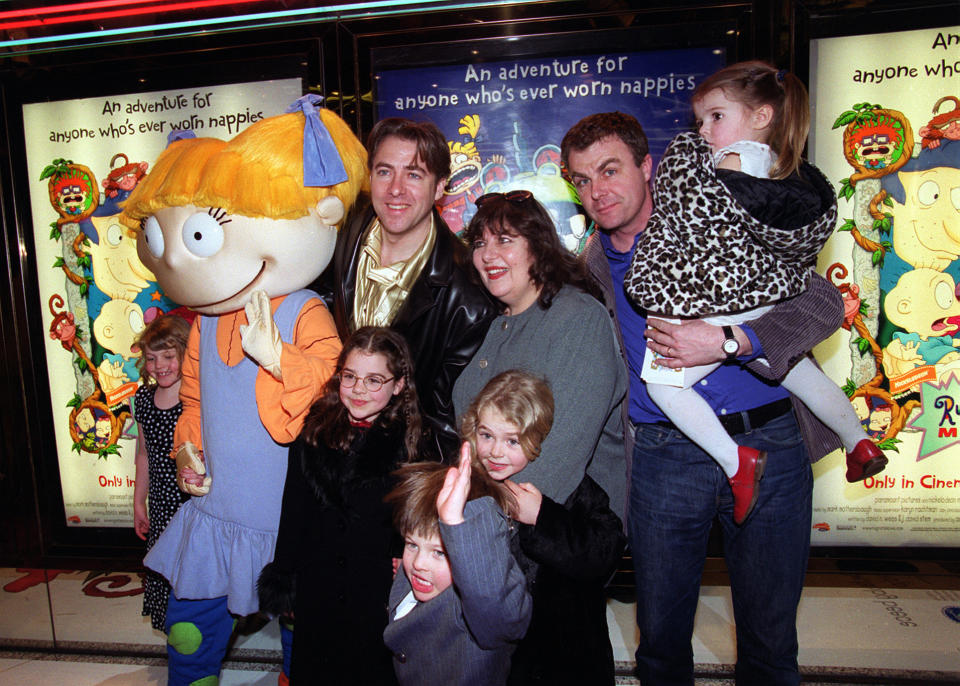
point(865, 460)
point(744, 482)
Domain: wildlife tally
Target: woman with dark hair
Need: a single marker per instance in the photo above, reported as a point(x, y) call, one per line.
point(553, 327)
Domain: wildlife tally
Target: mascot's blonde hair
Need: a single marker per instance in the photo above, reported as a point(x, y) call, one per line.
point(259, 173)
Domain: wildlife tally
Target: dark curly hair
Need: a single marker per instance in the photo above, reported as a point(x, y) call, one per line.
point(552, 265)
point(328, 422)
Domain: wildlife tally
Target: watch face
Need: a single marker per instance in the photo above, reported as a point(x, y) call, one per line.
point(730, 346)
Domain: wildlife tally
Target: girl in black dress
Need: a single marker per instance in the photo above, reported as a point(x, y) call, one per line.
point(156, 407)
point(332, 568)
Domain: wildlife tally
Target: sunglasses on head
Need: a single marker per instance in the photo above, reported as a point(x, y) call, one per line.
point(517, 197)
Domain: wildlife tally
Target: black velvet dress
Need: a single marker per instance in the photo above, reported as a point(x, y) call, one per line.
point(332, 564)
point(575, 547)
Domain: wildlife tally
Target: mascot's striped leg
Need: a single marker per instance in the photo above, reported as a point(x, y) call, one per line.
point(198, 632)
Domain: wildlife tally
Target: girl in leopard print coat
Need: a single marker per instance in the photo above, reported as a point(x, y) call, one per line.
point(737, 224)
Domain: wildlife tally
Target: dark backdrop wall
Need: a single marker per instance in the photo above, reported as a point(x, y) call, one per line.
point(334, 59)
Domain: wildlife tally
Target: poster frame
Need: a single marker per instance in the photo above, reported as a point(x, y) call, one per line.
point(188, 68)
point(882, 17)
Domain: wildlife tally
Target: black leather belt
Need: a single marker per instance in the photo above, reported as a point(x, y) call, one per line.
point(738, 422)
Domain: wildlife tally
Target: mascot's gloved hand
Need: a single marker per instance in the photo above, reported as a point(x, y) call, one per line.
point(260, 337)
point(188, 456)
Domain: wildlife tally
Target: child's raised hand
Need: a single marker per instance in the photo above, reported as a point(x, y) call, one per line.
point(456, 487)
point(528, 499)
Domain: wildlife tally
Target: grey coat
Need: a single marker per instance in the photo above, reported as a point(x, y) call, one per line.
point(573, 345)
point(466, 635)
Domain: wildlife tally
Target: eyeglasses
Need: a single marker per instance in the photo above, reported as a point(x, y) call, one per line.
point(372, 383)
point(517, 197)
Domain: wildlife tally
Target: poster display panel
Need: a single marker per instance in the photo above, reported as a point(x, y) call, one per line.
point(886, 131)
point(504, 120)
point(84, 157)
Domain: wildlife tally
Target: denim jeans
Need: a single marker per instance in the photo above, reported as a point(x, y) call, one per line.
point(676, 491)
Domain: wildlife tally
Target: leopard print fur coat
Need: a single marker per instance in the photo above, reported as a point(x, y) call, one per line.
point(702, 253)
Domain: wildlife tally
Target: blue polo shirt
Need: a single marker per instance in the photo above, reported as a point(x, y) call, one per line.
point(731, 388)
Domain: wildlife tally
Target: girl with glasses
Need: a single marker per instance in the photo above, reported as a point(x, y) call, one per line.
point(332, 567)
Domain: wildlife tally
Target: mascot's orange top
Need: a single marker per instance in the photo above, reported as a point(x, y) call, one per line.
point(218, 220)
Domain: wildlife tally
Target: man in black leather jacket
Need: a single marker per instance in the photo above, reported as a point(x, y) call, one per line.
point(397, 264)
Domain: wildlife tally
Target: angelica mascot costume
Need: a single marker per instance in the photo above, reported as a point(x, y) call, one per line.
point(235, 230)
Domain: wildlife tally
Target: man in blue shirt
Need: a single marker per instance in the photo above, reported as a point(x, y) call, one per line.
point(676, 488)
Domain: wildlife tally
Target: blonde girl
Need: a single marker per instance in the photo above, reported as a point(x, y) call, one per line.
point(572, 547)
point(157, 407)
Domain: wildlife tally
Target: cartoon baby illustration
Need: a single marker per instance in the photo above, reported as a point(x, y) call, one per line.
point(875, 416)
point(117, 270)
point(103, 429)
point(925, 303)
point(876, 141)
point(116, 328)
point(926, 208)
point(85, 420)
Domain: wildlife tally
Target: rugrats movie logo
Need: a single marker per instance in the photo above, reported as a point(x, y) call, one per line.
point(939, 416)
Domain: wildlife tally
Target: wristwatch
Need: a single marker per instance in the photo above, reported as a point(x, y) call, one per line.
point(731, 346)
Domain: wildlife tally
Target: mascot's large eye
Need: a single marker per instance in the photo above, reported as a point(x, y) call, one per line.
point(202, 235)
point(955, 198)
point(153, 235)
point(928, 193)
point(944, 295)
point(114, 235)
point(135, 318)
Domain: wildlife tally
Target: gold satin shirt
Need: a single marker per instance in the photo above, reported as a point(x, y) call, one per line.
point(381, 291)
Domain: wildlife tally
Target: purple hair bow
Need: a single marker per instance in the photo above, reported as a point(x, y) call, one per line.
point(322, 165)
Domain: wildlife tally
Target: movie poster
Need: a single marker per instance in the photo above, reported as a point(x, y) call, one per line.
point(886, 131)
point(504, 120)
point(84, 157)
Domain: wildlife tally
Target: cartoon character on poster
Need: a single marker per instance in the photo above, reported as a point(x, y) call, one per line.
point(546, 181)
point(109, 296)
point(540, 174)
point(904, 303)
point(464, 186)
point(124, 295)
point(944, 125)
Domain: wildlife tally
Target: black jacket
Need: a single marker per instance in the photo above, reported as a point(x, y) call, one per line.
point(576, 547)
point(444, 319)
point(332, 566)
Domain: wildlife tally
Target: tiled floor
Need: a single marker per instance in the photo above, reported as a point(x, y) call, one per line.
point(95, 634)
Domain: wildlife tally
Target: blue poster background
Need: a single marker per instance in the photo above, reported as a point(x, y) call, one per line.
point(504, 120)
